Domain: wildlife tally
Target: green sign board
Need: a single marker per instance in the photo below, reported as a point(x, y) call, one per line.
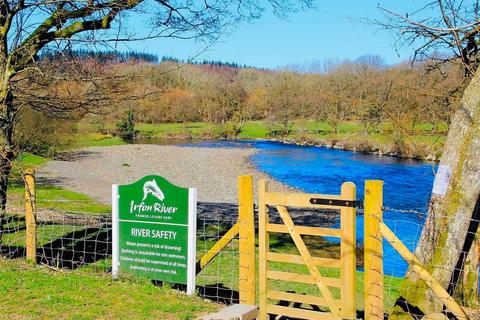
point(154, 230)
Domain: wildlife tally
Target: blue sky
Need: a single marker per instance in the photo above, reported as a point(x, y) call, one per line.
point(333, 29)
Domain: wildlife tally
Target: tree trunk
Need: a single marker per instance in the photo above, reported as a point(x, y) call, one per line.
point(7, 154)
point(451, 225)
point(469, 288)
point(5, 169)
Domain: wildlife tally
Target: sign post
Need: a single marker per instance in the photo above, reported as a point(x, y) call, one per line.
point(154, 231)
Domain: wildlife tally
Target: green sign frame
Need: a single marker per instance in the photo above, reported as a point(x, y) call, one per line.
point(154, 230)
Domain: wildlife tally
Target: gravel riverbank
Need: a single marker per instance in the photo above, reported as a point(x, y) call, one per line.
point(213, 171)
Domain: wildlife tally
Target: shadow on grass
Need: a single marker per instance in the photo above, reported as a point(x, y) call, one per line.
point(71, 251)
point(217, 292)
point(77, 248)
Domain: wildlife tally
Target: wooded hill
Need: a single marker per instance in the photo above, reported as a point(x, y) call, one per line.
point(366, 91)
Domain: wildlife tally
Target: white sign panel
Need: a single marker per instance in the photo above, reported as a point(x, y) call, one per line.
point(442, 180)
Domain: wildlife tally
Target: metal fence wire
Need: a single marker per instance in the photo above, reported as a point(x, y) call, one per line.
point(76, 240)
point(82, 241)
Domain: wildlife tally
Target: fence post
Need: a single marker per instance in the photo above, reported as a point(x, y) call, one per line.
point(263, 247)
point(247, 278)
point(373, 250)
point(348, 254)
point(30, 215)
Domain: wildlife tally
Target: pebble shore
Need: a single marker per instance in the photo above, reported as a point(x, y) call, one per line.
point(213, 171)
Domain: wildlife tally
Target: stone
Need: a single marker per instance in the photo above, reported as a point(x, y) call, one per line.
point(234, 312)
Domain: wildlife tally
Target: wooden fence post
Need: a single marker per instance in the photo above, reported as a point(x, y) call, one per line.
point(30, 215)
point(373, 250)
point(348, 254)
point(247, 274)
point(263, 247)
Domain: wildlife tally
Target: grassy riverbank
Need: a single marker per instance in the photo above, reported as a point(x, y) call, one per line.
point(422, 132)
point(421, 141)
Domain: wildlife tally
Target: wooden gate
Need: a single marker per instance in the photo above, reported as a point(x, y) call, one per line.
point(342, 308)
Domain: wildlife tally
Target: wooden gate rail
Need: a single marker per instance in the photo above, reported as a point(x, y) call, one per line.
point(375, 231)
point(343, 308)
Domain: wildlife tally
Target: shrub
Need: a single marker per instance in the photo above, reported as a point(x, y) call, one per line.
point(126, 127)
point(42, 134)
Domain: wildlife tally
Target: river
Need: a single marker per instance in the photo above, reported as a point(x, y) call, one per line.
point(407, 183)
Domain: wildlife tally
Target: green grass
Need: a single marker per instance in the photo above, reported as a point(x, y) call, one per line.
point(30, 292)
point(57, 199)
point(30, 160)
point(98, 140)
point(420, 142)
point(222, 270)
point(262, 129)
point(254, 130)
point(48, 196)
point(166, 130)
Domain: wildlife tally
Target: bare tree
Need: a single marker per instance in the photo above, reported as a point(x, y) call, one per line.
point(29, 28)
point(283, 99)
point(372, 92)
point(452, 224)
point(339, 96)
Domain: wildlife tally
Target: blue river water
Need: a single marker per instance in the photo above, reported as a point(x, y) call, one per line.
point(407, 183)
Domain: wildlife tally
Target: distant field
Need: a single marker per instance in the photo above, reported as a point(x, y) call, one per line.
point(97, 140)
point(421, 142)
point(261, 129)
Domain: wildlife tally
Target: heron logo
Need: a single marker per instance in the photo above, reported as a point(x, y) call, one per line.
point(152, 188)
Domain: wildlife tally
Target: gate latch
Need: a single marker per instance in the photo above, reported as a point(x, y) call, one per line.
point(334, 202)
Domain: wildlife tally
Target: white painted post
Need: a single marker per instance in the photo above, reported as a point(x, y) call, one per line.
point(115, 232)
point(192, 239)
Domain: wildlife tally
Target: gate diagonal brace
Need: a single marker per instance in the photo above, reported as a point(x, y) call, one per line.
point(302, 248)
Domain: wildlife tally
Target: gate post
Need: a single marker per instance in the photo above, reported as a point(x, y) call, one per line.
point(348, 250)
point(247, 276)
point(263, 246)
point(30, 216)
point(373, 250)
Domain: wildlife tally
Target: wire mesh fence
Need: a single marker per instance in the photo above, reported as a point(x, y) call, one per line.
point(411, 294)
point(416, 270)
point(71, 234)
point(75, 233)
point(219, 279)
